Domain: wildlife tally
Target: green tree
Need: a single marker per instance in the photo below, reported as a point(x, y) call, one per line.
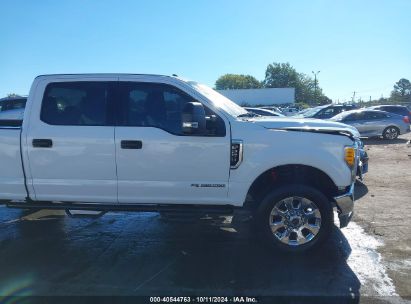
point(280, 75)
point(305, 90)
point(283, 75)
point(235, 81)
point(401, 91)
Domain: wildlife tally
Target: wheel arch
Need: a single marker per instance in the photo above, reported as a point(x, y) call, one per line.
point(289, 174)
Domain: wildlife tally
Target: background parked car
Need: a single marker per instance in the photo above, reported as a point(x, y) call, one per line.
point(12, 103)
point(400, 110)
point(290, 111)
point(303, 111)
point(12, 108)
point(272, 108)
point(375, 123)
point(326, 112)
point(263, 112)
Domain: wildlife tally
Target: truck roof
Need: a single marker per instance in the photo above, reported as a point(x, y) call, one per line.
point(106, 74)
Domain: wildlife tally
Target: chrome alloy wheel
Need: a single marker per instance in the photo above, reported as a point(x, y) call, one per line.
point(295, 220)
point(391, 133)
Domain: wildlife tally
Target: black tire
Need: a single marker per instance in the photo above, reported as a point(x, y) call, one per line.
point(262, 217)
point(390, 133)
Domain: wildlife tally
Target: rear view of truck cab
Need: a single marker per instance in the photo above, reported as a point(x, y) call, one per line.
point(148, 142)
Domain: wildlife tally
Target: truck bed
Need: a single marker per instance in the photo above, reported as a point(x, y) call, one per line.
point(11, 171)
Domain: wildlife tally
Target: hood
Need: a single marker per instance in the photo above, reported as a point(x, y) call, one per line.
point(307, 125)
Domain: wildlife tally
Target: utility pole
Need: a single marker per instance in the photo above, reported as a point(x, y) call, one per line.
point(315, 85)
point(353, 97)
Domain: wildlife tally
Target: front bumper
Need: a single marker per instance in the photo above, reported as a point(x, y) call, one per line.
point(345, 205)
point(362, 167)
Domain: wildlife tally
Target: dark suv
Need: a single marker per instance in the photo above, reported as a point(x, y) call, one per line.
point(400, 110)
point(327, 111)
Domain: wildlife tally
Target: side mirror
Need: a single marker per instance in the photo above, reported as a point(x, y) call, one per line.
point(193, 118)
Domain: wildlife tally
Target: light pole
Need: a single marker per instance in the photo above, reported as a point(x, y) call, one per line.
point(315, 84)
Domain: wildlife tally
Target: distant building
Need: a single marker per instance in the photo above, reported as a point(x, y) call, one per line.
point(260, 96)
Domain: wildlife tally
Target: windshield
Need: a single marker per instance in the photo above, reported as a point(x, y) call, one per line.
point(219, 100)
point(12, 104)
point(311, 112)
point(339, 117)
point(303, 111)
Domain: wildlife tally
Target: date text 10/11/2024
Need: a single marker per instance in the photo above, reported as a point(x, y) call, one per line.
point(203, 300)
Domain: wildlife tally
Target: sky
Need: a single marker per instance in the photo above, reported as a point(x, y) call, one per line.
point(357, 45)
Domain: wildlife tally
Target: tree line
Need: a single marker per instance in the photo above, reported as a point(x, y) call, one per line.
point(278, 75)
point(401, 94)
point(307, 89)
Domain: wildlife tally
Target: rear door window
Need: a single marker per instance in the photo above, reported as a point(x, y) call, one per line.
point(355, 117)
point(374, 115)
point(397, 110)
point(81, 103)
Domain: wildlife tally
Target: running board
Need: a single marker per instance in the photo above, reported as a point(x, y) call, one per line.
point(208, 209)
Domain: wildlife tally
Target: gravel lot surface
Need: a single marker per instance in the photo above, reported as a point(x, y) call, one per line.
point(383, 208)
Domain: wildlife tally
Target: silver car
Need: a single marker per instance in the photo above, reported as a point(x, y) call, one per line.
point(372, 123)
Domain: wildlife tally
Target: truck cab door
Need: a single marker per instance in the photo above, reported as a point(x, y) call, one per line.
point(159, 160)
point(70, 140)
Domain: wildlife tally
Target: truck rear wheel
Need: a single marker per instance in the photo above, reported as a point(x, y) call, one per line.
point(294, 218)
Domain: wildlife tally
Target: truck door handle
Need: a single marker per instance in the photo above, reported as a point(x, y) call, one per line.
point(42, 143)
point(131, 144)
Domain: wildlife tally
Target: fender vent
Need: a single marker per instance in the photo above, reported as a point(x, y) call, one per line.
point(236, 153)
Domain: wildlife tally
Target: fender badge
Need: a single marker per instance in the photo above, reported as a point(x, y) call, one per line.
point(208, 185)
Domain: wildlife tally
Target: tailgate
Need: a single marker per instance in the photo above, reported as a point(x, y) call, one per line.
point(11, 171)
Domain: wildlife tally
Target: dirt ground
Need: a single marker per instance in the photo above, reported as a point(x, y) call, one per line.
point(383, 207)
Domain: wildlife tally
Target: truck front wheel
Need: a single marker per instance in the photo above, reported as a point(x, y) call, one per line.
point(294, 218)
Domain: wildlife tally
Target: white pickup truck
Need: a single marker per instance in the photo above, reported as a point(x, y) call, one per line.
point(129, 142)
